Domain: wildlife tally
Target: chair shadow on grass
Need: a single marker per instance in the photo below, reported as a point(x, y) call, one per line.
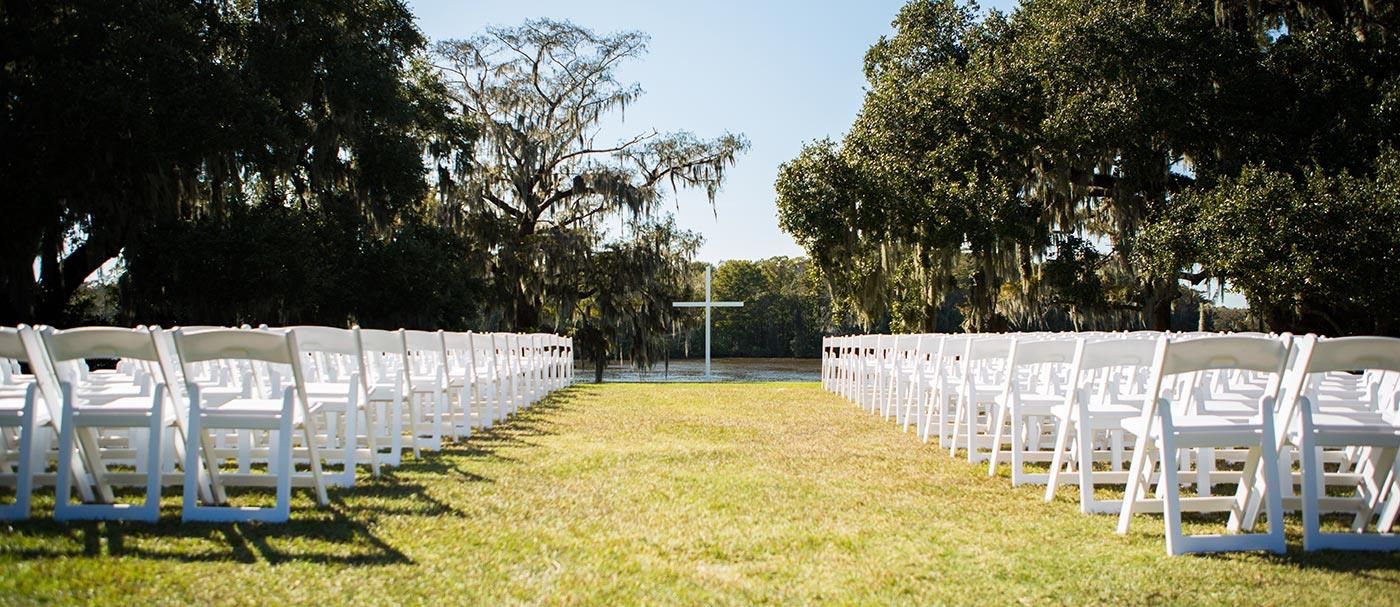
point(328, 536)
point(340, 534)
point(1362, 564)
point(1359, 563)
point(512, 433)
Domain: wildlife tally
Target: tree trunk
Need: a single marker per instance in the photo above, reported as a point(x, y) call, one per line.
point(61, 280)
point(527, 314)
point(599, 364)
point(19, 289)
point(1160, 314)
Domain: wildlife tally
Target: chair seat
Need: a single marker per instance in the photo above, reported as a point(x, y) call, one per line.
point(102, 392)
point(1358, 428)
point(13, 391)
point(327, 389)
point(1033, 404)
point(130, 405)
point(1243, 407)
point(427, 383)
point(1112, 411)
point(11, 405)
point(382, 392)
point(247, 406)
point(1225, 427)
point(219, 394)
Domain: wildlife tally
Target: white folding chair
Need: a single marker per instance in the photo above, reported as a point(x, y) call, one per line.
point(462, 382)
point(922, 372)
point(1171, 424)
point(331, 361)
point(30, 417)
point(508, 361)
point(425, 375)
point(945, 385)
point(487, 361)
point(1104, 393)
point(901, 376)
point(1312, 426)
point(983, 366)
point(1036, 384)
point(282, 416)
point(143, 420)
point(382, 358)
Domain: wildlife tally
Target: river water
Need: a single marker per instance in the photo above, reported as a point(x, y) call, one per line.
point(722, 369)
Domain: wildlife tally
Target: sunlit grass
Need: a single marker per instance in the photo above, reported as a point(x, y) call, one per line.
point(680, 493)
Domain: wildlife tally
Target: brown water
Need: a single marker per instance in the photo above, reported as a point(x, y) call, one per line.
point(722, 370)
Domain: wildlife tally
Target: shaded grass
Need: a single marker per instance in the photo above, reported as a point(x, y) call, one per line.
point(680, 494)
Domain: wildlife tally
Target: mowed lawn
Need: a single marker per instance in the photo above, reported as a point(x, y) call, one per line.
point(670, 494)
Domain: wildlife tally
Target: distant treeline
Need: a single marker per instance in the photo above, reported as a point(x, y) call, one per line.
point(788, 308)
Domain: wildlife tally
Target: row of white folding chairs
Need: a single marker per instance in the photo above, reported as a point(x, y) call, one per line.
point(1261, 412)
point(203, 407)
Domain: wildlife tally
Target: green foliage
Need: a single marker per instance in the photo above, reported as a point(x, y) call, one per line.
point(279, 265)
point(786, 309)
point(626, 306)
point(1037, 146)
point(1310, 253)
point(309, 162)
point(122, 120)
point(540, 187)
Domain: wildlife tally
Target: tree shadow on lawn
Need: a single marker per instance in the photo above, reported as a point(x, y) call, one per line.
point(339, 534)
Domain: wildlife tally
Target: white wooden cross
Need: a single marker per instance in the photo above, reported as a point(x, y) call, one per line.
point(707, 304)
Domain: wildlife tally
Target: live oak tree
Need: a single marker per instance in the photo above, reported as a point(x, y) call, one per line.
point(138, 127)
point(1034, 148)
point(1315, 253)
point(540, 185)
point(625, 297)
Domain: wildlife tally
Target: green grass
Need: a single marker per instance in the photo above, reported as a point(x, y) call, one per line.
point(674, 494)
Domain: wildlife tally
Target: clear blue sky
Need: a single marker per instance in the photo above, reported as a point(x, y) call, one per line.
point(780, 72)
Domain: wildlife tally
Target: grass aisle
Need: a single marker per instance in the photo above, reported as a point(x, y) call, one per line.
point(680, 493)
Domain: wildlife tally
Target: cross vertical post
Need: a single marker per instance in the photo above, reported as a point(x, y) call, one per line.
point(707, 321)
point(708, 304)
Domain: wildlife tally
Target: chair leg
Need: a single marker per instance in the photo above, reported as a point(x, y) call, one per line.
point(413, 402)
point(284, 467)
point(1272, 494)
point(953, 433)
point(1171, 504)
point(1244, 494)
point(352, 440)
point(24, 470)
point(1057, 460)
point(314, 453)
point(90, 453)
point(151, 510)
point(972, 411)
point(1018, 446)
point(1135, 482)
point(371, 438)
point(1312, 484)
point(66, 457)
point(1084, 447)
point(1381, 461)
point(1392, 503)
point(992, 460)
